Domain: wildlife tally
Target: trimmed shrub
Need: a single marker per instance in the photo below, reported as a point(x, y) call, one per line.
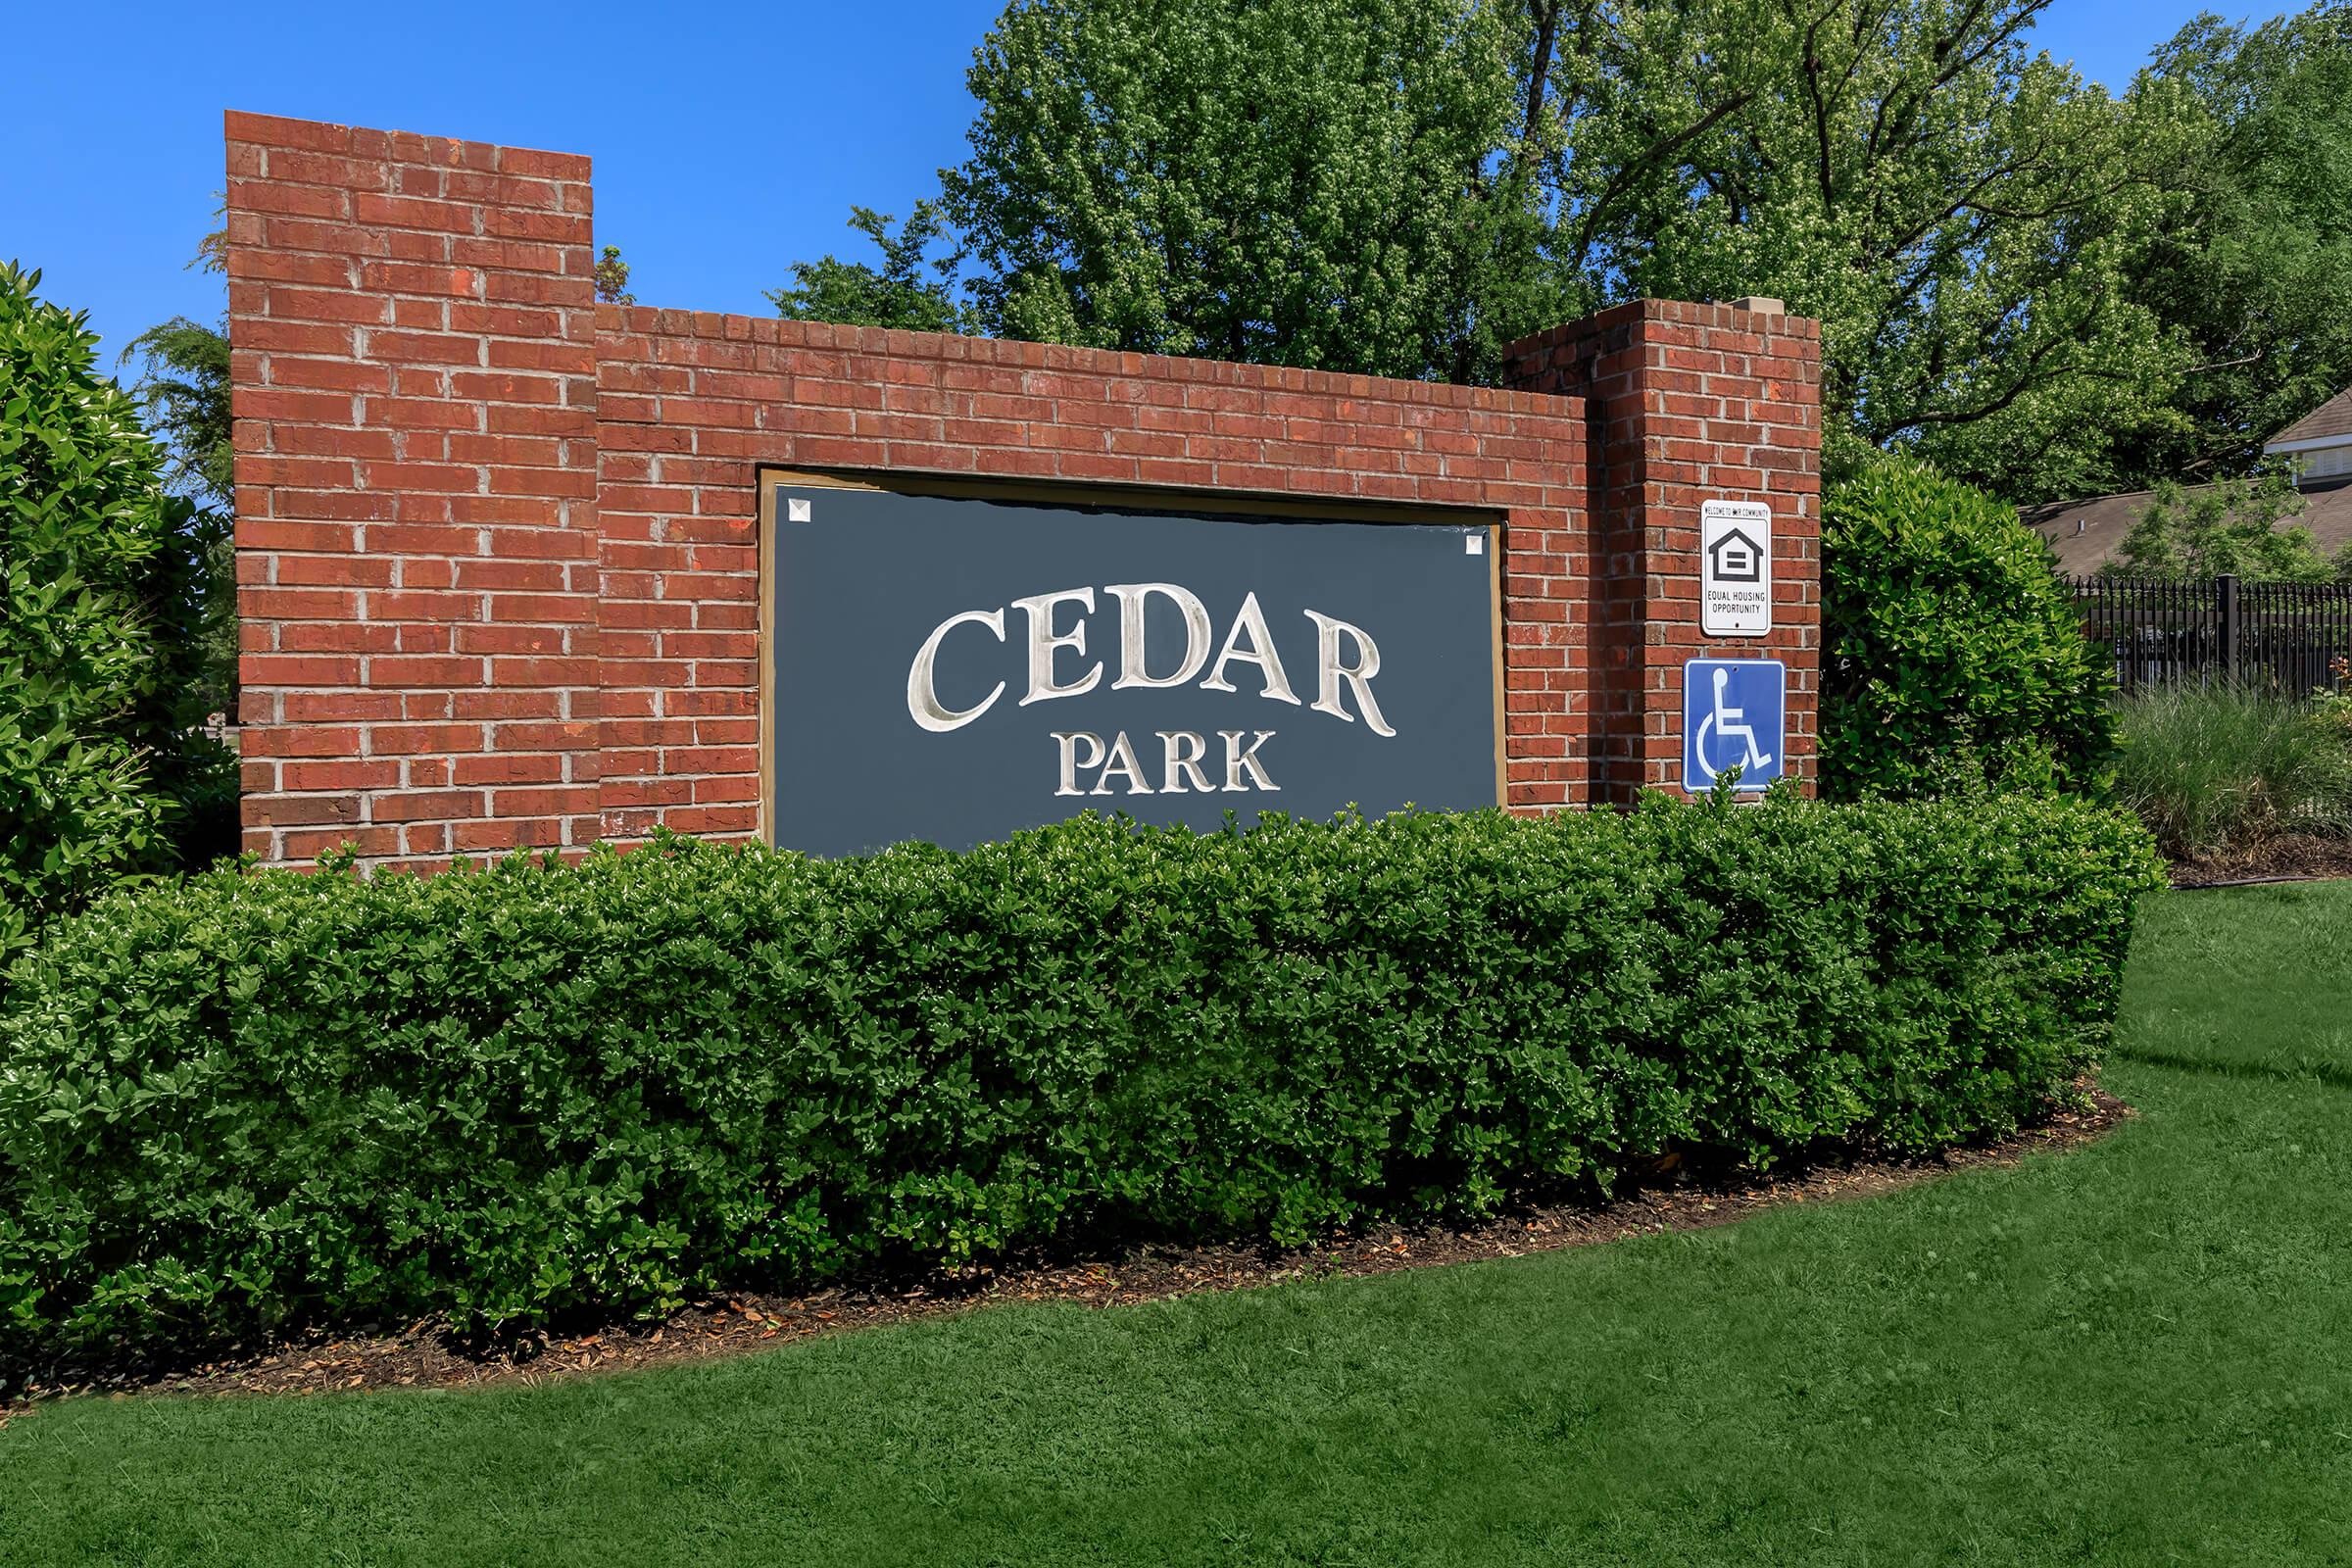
point(2211, 768)
point(98, 663)
point(245, 1100)
point(1953, 659)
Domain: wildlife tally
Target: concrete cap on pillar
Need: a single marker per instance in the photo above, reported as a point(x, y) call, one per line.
point(1762, 304)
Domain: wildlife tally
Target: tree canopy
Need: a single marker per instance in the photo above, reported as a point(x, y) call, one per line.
point(1289, 182)
point(906, 291)
point(2252, 269)
point(1958, 211)
point(2042, 286)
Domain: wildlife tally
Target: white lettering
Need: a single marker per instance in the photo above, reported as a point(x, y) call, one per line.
point(922, 695)
point(1252, 620)
point(1180, 753)
point(1071, 762)
point(1133, 671)
point(1240, 759)
point(1122, 761)
point(1358, 675)
point(1044, 642)
point(1249, 641)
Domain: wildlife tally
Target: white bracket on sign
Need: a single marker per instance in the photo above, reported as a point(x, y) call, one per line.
point(1735, 569)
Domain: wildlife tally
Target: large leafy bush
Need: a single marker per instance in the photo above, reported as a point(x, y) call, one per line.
point(1953, 656)
point(243, 1100)
point(98, 577)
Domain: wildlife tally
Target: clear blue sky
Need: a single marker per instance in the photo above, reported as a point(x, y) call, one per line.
point(729, 139)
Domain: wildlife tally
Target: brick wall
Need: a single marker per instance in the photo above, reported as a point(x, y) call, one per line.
point(690, 406)
point(1687, 403)
point(498, 546)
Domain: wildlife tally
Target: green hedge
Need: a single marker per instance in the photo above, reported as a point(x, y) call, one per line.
point(248, 1099)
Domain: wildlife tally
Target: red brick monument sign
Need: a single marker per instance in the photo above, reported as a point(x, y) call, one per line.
point(504, 579)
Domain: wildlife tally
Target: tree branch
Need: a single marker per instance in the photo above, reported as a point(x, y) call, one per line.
point(1651, 159)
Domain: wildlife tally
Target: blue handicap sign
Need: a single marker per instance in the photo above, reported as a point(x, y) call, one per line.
point(1735, 714)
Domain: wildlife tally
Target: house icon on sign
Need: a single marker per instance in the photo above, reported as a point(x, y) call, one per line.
point(1735, 558)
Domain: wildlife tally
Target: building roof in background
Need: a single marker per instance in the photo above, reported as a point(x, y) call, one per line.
point(2088, 534)
point(2331, 420)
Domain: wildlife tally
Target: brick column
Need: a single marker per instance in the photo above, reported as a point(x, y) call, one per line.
point(412, 321)
point(1686, 403)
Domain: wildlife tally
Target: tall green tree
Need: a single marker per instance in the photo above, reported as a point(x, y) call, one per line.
point(2253, 272)
point(1330, 184)
point(2030, 282)
point(1959, 211)
point(1333, 184)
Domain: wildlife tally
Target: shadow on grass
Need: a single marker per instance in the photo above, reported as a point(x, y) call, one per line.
point(2299, 1072)
point(1667, 1194)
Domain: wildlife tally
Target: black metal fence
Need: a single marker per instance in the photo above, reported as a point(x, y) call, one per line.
point(2284, 636)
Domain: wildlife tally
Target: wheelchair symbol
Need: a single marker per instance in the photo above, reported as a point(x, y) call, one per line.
point(1725, 724)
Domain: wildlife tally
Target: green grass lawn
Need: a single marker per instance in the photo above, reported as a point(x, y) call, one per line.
point(2139, 1352)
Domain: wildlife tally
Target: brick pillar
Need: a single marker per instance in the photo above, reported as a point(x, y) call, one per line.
point(412, 321)
point(1686, 403)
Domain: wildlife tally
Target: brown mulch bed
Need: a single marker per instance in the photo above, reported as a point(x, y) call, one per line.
point(427, 1356)
point(2291, 858)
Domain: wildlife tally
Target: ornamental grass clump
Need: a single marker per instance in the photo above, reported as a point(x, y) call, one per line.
point(2221, 767)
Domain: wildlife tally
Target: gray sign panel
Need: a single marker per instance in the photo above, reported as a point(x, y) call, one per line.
point(953, 669)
